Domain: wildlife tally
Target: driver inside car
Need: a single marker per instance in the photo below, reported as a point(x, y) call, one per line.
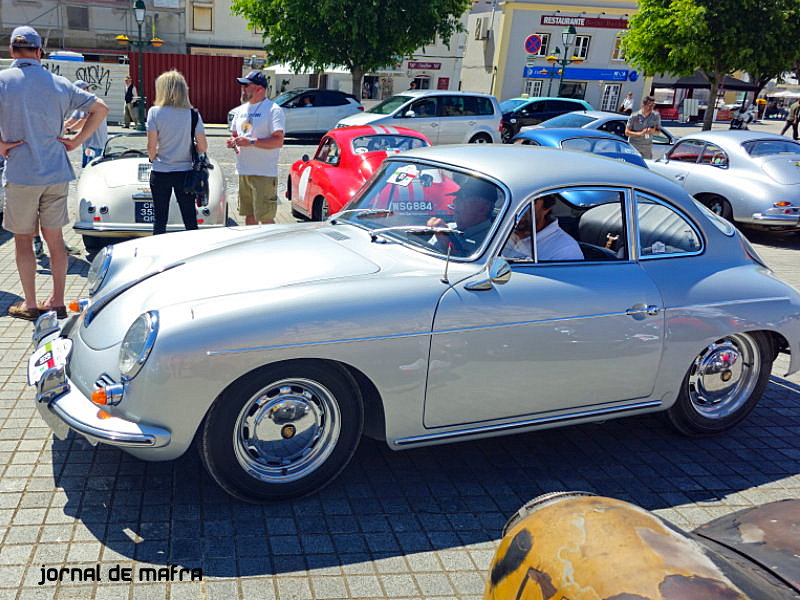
point(472, 211)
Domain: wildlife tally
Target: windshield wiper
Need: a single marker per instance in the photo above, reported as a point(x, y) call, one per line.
point(412, 229)
point(364, 212)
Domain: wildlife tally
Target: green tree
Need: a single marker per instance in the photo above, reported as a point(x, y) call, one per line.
point(361, 35)
point(716, 37)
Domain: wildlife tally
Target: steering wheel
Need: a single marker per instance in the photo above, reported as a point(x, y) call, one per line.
point(132, 152)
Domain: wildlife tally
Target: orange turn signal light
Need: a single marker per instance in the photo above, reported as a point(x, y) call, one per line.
point(74, 306)
point(99, 396)
point(101, 414)
point(783, 203)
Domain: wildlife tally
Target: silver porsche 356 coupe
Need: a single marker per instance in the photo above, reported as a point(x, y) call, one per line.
point(429, 311)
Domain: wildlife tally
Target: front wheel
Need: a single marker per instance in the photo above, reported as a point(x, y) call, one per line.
point(720, 206)
point(480, 138)
point(283, 431)
point(724, 383)
point(321, 210)
point(506, 133)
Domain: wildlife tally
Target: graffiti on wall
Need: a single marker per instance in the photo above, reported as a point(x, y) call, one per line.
point(97, 76)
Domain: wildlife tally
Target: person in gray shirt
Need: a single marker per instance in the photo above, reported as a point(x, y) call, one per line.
point(33, 106)
point(169, 135)
point(641, 127)
point(93, 146)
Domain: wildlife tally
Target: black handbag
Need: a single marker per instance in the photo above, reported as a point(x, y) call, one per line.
point(196, 181)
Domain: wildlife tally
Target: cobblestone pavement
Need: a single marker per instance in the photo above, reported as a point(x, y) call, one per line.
point(415, 524)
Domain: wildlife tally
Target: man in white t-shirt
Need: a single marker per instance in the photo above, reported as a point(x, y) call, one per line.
point(552, 242)
point(257, 136)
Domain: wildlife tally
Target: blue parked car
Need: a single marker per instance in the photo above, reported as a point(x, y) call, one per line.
point(581, 140)
point(522, 112)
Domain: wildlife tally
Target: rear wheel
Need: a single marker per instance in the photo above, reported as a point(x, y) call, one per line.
point(507, 133)
point(321, 210)
point(282, 431)
point(724, 383)
point(480, 138)
point(94, 244)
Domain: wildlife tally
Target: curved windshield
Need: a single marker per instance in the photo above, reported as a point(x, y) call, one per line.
point(286, 96)
point(771, 147)
point(131, 144)
point(386, 143)
point(432, 208)
point(598, 145)
point(388, 106)
point(509, 105)
point(568, 120)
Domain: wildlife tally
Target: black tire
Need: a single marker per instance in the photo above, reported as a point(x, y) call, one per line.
point(506, 133)
point(724, 383)
point(282, 431)
point(321, 210)
point(289, 188)
point(94, 244)
point(480, 138)
point(719, 206)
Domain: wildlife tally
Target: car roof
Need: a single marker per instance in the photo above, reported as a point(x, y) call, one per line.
point(506, 163)
point(735, 136)
point(557, 134)
point(352, 131)
point(417, 93)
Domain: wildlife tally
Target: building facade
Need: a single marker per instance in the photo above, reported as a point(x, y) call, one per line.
point(509, 42)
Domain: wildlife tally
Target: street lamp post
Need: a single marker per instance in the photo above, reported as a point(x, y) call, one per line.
point(567, 38)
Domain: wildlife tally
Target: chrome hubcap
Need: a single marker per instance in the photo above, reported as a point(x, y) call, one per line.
point(286, 430)
point(723, 376)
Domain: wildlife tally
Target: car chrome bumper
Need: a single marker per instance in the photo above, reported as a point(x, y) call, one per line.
point(63, 407)
point(782, 220)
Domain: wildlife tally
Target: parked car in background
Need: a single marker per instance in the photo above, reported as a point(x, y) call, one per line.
point(522, 112)
point(607, 121)
point(743, 176)
point(444, 117)
point(313, 111)
point(229, 336)
point(581, 140)
point(113, 197)
point(345, 158)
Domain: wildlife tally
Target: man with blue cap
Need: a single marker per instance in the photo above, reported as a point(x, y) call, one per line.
point(33, 106)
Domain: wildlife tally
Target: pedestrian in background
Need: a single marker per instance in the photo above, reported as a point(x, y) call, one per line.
point(626, 108)
point(169, 139)
point(93, 146)
point(257, 133)
point(33, 106)
point(792, 119)
point(641, 127)
point(131, 93)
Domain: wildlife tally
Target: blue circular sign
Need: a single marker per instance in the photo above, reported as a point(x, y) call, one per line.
point(633, 75)
point(533, 43)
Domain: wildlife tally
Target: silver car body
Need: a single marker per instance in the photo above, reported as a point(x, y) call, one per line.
point(605, 121)
point(441, 127)
point(113, 196)
point(759, 189)
point(444, 349)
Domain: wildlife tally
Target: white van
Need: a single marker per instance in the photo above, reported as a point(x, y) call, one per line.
point(443, 116)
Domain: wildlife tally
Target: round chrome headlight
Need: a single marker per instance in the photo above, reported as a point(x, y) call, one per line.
point(98, 270)
point(137, 344)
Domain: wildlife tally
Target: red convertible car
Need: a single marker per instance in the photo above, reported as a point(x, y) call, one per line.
point(346, 157)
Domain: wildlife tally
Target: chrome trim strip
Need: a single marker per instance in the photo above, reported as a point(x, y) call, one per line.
point(776, 219)
point(409, 335)
point(728, 303)
point(428, 437)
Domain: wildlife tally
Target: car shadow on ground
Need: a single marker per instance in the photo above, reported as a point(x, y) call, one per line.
point(391, 504)
point(775, 239)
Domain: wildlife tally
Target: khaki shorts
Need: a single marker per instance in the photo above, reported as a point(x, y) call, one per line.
point(27, 204)
point(258, 197)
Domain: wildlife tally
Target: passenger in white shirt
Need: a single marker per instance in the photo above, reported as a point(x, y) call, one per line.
point(552, 243)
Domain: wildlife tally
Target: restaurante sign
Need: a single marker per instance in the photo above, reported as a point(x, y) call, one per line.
point(584, 21)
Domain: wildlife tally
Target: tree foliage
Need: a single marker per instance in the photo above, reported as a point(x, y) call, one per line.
point(361, 35)
point(716, 37)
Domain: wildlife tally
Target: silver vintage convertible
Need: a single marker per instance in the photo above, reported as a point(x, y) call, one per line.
point(427, 312)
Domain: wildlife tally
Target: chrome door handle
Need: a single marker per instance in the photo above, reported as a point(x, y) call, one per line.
point(434, 124)
point(680, 177)
point(642, 310)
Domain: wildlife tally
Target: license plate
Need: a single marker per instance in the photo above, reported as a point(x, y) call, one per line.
point(412, 207)
point(52, 355)
point(143, 212)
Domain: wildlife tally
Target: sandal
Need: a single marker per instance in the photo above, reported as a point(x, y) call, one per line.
point(61, 311)
point(19, 311)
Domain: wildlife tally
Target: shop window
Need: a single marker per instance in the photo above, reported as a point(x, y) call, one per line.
point(201, 17)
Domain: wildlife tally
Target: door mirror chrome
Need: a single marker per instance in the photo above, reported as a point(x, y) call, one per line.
point(498, 272)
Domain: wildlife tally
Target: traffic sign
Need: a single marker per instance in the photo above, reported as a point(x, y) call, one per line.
point(533, 43)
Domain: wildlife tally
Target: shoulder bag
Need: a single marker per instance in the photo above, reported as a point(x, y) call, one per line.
point(196, 181)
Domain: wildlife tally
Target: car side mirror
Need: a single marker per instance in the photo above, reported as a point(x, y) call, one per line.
point(304, 158)
point(498, 272)
point(410, 114)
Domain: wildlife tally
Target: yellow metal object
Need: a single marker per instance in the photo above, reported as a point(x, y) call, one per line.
point(595, 548)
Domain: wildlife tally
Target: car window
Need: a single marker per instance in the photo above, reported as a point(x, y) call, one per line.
point(615, 126)
point(483, 106)
point(328, 152)
point(533, 108)
point(526, 142)
point(386, 143)
point(509, 105)
point(452, 106)
point(425, 108)
point(687, 151)
point(577, 144)
point(662, 230)
point(714, 155)
point(134, 143)
point(564, 105)
point(388, 106)
point(770, 147)
point(582, 225)
point(404, 199)
point(568, 120)
point(330, 99)
point(661, 138)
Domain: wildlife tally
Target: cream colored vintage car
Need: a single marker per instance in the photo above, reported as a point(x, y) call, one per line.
point(428, 311)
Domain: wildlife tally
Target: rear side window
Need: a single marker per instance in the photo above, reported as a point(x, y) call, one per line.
point(663, 231)
point(714, 155)
point(483, 106)
point(688, 151)
point(616, 127)
point(568, 120)
point(330, 99)
point(452, 106)
point(564, 105)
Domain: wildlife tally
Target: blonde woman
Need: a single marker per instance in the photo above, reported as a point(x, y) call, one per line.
point(169, 132)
